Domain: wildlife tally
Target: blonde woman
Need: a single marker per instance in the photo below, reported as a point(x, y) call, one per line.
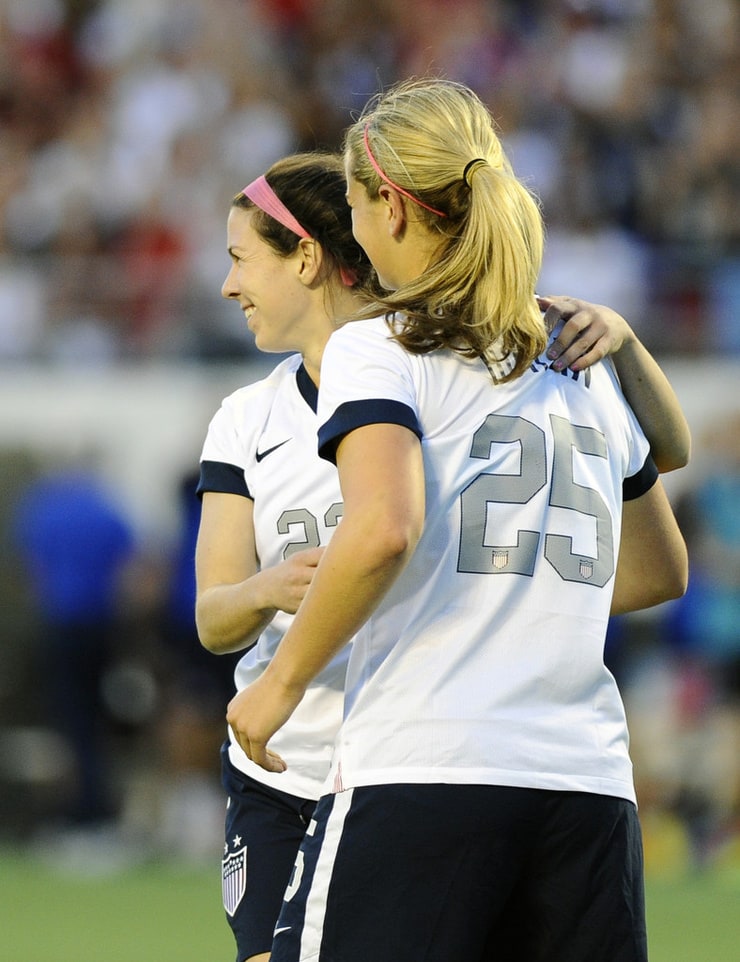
point(482, 803)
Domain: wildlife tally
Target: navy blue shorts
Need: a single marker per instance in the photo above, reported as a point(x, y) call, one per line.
point(441, 873)
point(264, 829)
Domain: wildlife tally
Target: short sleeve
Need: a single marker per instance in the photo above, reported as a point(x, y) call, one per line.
point(366, 378)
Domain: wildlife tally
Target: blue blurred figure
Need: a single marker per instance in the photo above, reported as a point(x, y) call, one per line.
point(75, 543)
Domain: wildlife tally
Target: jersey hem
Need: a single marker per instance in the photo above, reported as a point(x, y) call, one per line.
point(301, 786)
point(596, 785)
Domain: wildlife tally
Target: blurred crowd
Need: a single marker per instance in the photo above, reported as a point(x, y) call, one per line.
point(125, 128)
point(127, 125)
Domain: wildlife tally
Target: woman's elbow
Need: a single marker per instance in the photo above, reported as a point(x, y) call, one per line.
point(211, 633)
point(680, 582)
point(673, 577)
point(207, 637)
point(674, 457)
point(672, 461)
point(394, 543)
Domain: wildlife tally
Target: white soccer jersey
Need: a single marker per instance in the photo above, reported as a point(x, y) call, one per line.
point(262, 444)
point(484, 664)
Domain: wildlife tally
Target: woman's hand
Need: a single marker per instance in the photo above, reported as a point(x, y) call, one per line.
point(590, 332)
point(257, 712)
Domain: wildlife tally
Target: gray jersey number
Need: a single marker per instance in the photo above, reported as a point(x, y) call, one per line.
point(519, 558)
point(308, 527)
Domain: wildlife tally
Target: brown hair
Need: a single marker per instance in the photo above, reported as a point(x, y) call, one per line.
point(312, 186)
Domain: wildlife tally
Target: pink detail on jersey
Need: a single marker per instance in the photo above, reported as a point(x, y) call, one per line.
point(338, 785)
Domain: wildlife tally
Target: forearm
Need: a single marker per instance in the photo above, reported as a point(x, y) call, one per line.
point(348, 583)
point(653, 564)
point(654, 401)
point(230, 618)
point(382, 478)
point(593, 331)
point(357, 570)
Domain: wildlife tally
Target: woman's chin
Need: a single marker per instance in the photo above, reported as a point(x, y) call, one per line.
point(268, 346)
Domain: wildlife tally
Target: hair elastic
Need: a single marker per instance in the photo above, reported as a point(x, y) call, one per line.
point(261, 194)
point(387, 179)
point(471, 166)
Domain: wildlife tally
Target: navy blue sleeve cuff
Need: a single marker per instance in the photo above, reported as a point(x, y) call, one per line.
point(222, 478)
point(641, 482)
point(357, 414)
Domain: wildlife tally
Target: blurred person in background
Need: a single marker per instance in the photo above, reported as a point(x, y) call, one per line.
point(76, 544)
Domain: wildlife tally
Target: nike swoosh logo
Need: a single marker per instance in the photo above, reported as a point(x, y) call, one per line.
point(285, 928)
point(263, 454)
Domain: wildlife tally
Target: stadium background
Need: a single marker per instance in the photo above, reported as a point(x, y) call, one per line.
point(125, 128)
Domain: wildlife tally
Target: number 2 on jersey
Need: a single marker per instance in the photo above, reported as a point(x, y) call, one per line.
point(306, 520)
point(475, 555)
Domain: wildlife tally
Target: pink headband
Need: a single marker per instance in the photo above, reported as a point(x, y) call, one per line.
point(261, 194)
point(387, 179)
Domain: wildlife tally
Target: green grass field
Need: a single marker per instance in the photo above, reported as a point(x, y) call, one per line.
point(171, 913)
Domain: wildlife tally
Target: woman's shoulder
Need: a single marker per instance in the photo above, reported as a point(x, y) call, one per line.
point(262, 391)
point(366, 330)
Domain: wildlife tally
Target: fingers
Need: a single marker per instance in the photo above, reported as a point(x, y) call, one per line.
point(589, 332)
point(257, 751)
point(553, 316)
point(578, 340)
point(292, 577)
point(582, 360)
point(564, 304)
point(585, 349)
point(254, 714)
point(308, 556)
point(265, 758)
point(561, 308)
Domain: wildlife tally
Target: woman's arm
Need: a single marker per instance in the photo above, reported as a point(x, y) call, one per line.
point(235, 600)
point(653, 563)
point(382, 477)
point(590, 332)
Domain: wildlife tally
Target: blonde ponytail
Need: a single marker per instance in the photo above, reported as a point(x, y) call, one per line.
point(437, 142)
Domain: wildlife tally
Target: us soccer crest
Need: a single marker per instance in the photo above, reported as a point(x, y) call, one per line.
point(234, 879)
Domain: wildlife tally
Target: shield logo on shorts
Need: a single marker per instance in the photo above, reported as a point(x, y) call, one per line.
point(586, 569)
point(234, 879)
point(500, 558)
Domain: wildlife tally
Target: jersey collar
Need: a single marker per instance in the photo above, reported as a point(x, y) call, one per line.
point(308, 389)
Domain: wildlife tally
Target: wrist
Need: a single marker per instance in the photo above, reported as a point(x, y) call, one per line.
point(286, 677)
point(627, 351)
point(263, 597)
point(630, 341)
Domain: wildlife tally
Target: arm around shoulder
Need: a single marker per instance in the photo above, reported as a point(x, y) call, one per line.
point(589, 333)
point(652, 398)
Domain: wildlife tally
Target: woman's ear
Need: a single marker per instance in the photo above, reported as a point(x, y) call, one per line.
point(311, 257)
point(395, 209)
